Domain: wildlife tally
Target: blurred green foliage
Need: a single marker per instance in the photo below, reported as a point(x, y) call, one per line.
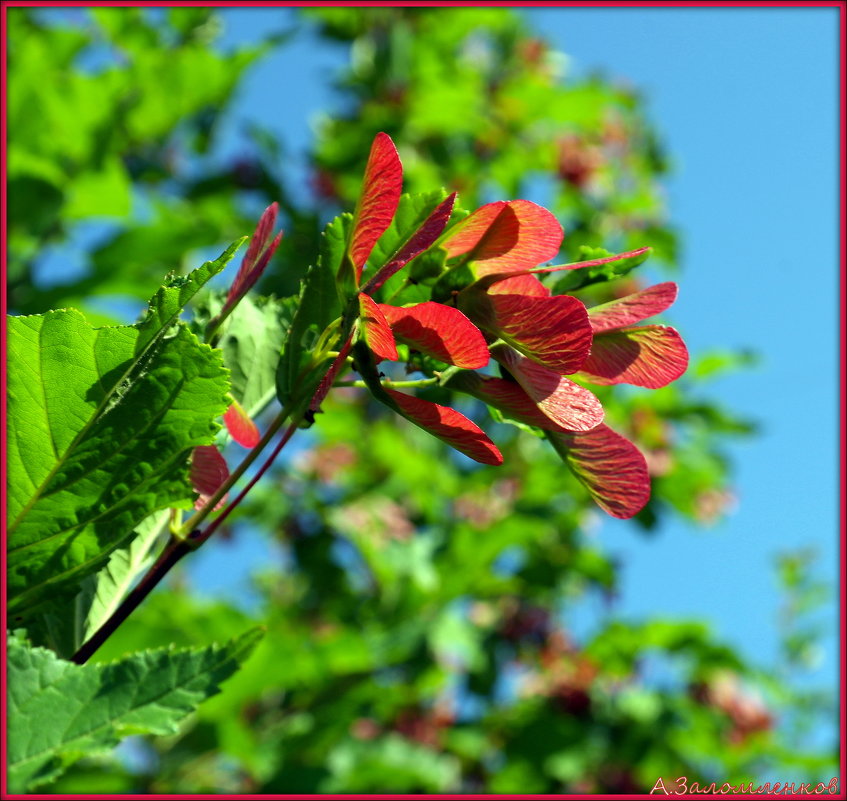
point(418, 608)
point(106, 116)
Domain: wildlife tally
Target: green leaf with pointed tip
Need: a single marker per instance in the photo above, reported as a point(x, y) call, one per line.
point(60, 712)
point(318, 306)
point(177, 292)
point(101, 422)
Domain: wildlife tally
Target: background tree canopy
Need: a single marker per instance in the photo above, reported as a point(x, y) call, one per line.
point(419, 611)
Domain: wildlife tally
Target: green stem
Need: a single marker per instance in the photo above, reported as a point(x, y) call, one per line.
point(445, 375)
point(326, 336)
point(422, 382)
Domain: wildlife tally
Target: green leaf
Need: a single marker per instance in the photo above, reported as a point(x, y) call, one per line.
point(169, 301)
point(60, 712)
point(255, 335)
point(252, 341)
point(101, 421)
point(63, 625)
point(106, 192)
point(113, 582)
point(318, 306)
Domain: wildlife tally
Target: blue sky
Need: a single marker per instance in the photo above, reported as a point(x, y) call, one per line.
point(746, 103)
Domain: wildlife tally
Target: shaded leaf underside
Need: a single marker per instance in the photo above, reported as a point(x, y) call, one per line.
point(124, 565)
point(255, 333)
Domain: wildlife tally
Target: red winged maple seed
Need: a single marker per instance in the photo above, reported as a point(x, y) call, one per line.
point(547, 336)
point(446, 334)
point(509, 303)
point(570, 406)
point(422, 239)
point(329, 379)
point(375, 329)
point(430, 328)
point(438, 331)
point(610, 466)
point(449, 426)
point(377, 202)
point(504, 237)
point(510, 397)
point(527, 285)
point(633, 308)
point(241, 428)
point(208, 472)
point(553, 331)
point(648, 356)
point(491, 279)
point(258, 255)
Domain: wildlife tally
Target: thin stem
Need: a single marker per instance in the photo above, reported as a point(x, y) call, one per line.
point(210, 335)
point(181, 543)
point(422, 382)
point(445, 375)
point(326, 336)
point(201, 514)
point(197, 541)
point(174, 551)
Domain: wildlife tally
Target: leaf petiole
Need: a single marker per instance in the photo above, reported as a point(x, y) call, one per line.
point(421, 382)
